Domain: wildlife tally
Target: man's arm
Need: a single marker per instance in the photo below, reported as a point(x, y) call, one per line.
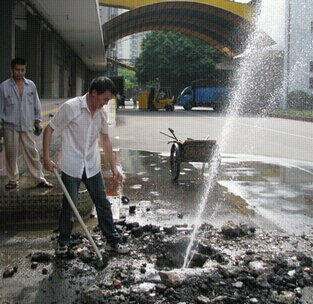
point(108, 151)
point(47, 162)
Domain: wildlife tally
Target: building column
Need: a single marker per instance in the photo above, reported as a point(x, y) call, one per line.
point(47, 59)
point(7, 35)
point(33, 49)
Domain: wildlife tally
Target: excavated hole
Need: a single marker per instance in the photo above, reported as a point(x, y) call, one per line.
point(172, 254)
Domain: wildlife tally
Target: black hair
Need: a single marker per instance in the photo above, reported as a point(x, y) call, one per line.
point(17, 61)
point(102, 84)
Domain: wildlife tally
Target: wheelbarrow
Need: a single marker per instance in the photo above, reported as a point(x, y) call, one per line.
point(189, 150)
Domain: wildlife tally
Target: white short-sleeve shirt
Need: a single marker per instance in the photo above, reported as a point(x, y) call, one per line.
point(79, 136)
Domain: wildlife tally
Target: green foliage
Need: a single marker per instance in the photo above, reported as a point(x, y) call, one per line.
point(174, 60)
point(300, 100)
point(131, 83)
point(295, 113)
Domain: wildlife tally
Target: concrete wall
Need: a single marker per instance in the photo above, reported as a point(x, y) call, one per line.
point(7, 34)
point(301, 45)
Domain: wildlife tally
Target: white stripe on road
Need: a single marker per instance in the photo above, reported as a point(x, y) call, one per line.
point(269, 129)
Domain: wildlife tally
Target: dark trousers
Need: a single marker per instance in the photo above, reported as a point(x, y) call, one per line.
point(95, 187)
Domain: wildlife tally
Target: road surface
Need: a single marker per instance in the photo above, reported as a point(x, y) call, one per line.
point(266, 136)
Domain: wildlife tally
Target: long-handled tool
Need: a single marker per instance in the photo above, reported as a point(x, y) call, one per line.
point(173, 134)
point(100, 263)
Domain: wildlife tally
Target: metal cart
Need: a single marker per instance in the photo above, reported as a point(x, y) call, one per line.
point(189, 151)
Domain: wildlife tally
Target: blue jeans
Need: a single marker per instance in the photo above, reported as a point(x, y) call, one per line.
point(95, 187)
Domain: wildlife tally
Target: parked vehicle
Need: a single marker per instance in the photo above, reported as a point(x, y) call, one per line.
point(190, 150)
point(156, 99)
point(204, 93)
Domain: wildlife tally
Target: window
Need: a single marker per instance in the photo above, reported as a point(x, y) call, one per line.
point(311, 66)
point(311, 26)
point(311, 83)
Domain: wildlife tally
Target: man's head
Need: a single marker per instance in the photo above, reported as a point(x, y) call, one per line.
point(102, 84)
point(18, 68)
point(101, 89)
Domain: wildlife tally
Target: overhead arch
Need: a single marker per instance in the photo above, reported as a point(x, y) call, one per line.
point(222, 29)
point(242, 9)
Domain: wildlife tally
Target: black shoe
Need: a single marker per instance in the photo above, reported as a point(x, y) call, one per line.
point(44, 184)
point(11, 185)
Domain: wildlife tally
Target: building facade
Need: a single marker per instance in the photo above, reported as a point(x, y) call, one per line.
point(106, 14)
point(299, 45)
point(57, 71)
point(58, 54)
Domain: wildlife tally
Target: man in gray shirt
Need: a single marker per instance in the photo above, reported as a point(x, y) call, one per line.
point(20, 116)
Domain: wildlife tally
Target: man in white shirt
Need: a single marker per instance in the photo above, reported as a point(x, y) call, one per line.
point(80, 121)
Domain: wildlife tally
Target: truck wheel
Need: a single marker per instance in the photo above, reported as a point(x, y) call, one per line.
point(217, 108)
point(188, 107)
point(152, 107)
point(175, 160)
point(172, 108)
point(167, 108)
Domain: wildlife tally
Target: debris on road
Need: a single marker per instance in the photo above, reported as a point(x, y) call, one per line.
point(232, 264)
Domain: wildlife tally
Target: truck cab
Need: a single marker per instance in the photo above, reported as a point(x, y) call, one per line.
point(202, 94)
point(185, 98)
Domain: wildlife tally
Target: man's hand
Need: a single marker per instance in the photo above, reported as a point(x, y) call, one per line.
point(117, 175)
point(37, 128)
point(49, 164)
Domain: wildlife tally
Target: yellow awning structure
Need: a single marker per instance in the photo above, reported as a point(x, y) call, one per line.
point(218, 22)
point(241, 9)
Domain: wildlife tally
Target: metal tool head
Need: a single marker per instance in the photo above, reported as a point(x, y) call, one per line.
point(101, 264)
point(172, 131)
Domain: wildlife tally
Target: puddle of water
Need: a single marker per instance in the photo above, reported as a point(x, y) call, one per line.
point(270, 193)
point(246, 186)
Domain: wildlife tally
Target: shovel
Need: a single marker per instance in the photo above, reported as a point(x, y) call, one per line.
point(100, 263)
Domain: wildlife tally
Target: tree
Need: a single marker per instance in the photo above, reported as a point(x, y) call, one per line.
point(174, 60)
point(131, 83)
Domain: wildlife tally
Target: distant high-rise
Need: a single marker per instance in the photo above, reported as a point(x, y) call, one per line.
point(129, 48)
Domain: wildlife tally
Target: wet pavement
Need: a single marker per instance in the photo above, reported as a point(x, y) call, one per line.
point(256, 189)
point(272, 194)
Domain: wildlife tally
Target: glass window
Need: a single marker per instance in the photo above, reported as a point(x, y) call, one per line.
point(187, 91)
point(311, 66)
point(311, 83)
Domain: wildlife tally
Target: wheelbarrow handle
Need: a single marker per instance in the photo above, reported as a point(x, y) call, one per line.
point(167, 135)
point(172, 131)
point(79, 218)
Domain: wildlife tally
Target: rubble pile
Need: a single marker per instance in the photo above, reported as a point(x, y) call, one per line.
point(233, 264)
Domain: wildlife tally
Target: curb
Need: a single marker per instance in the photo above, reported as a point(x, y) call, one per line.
point(306, 119)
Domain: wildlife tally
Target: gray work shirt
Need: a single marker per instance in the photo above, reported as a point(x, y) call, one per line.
point(19, 113)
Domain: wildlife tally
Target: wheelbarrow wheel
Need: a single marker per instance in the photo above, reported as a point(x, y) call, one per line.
point(175, 160)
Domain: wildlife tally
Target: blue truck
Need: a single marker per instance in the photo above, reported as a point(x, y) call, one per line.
point(204, 93)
